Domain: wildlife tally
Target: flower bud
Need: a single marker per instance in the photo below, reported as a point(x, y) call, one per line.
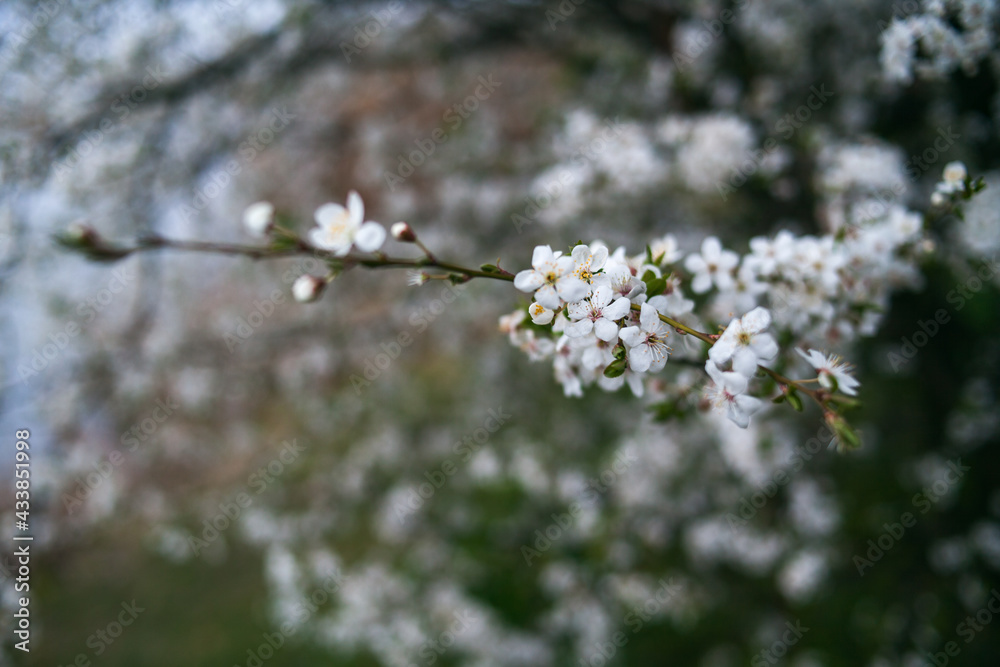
point(954, 172)
point(307, 288)
point(79, 235)
point(258, 218)
point(403, 232)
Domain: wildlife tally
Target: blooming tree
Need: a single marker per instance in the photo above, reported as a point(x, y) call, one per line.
point(698, 218)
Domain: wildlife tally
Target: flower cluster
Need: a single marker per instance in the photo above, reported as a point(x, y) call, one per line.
point(946, 35)
point(607, 318)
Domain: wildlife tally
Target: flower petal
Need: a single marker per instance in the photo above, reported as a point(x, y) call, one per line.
point(616, 310)
point(528, 280)
point(541, 255)
point(370, 237)
point(606, 330)
point(764, 347)
point(711, 248)
point(639, 358)
point(572, 289)
point(356, 208)
point(702, 283)
point(649, 318)
point(328, 213)
point(548, 297)
point(579, 328)
point(756, 320)
point(737, 416)
point(745, 362)
point(631, 336)
point(599, 258)
point(581, 254)
point(601, 297)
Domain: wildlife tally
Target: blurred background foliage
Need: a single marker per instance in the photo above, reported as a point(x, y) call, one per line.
point(226, 68)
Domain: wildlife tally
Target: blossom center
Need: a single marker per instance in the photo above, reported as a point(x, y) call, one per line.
point(657, 345)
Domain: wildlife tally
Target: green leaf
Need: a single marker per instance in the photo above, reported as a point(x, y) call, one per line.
point(655, 286)
point(615, 369)
point(489, 268)
point(794, 401)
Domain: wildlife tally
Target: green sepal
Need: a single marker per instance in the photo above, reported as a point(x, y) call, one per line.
point(615, 369)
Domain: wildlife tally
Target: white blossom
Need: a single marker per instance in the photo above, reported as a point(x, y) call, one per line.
point(729, 392)
point(832, 372)
point(713, 265)
point(600, 314)
point(552, 278)
point(745, 343)
point(258, 218)
point(339, 228)
point(646, 343)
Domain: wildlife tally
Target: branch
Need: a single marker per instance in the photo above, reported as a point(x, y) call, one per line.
point(87, 241)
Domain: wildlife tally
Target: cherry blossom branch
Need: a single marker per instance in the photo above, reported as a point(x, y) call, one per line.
point(820, 396)
point(681, 328)
point(89, 242)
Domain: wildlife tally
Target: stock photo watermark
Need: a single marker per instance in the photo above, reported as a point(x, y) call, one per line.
point(263, 309)
point(253, 145)
point(924, 500)
point(452, 119)
point(374, 365)
point(776, 651)
point(958, 297)
point(102, 638)
point(131, 439)
point(603, 652)
point(121, 108)
point(18, 38)
point(752, 504)
point(432, 649)
point(306, 608)
point(365, 33)
point(711, 30)
point(464, 450)
point(231, 510)
point(562, 12)
point(785, 127)
point(595, 487)
point(88, 309)
point(967, 630)
point(553, 189)
point(879, 204)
